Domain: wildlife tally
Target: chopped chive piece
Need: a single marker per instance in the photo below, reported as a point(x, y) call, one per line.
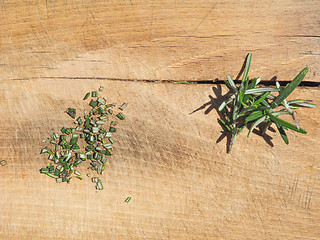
point(69, 180)
point(3, 162)
point(79, 177)
point(55, 136)
point(123, 106)
point(109, 111)
point(59, 180)
point(74, 140)
point(93, 103)
point(44, 140)
point(94, 94)
point(102, 130)
point(112, 129)
point(77, 162)
point(79, 129)
point(108, 152)
point(72, 112)
point(86, 96)
point(108, 135)
point(63, 130)
point(100, 169)
point(95, 129)
point(120, 116)
point(95, 179)
point(77, 172)
point(94, 164)
point(82, 156)
point(75, 148)
point(57, 172)
point(88, 175)
point(42, 170)
point(101, 101)
point(51, 175)
point(110, 105)
point(99, 185)
point(127, 199)
point(51, 169)
point(79, 120)
point(101, 88)
point(111, 140)
point(103, 160)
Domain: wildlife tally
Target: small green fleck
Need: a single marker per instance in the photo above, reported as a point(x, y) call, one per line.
point(86, 96)
point(94, 94)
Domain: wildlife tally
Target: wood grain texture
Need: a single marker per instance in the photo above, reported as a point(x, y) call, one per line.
point(168, 155)
point(182, 183)
point(172, 40)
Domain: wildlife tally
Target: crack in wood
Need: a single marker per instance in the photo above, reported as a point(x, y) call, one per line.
point(210, 82)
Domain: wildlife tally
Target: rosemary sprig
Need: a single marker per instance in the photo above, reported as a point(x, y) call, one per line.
point(249, 106)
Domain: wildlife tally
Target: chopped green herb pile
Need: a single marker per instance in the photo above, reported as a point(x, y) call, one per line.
point(250, 106)
point(3, 162)
point(88, 140)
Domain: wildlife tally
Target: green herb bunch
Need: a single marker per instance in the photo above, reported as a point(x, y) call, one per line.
point(66, 151)
point(251, 106)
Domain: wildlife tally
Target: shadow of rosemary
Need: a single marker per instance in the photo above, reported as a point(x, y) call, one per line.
point(213, 104)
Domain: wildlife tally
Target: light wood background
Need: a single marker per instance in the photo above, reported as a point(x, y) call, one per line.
point(168, 155)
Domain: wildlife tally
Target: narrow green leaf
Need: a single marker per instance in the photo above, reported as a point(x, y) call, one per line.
point(253, 116)
point(257, 102)
point(253, 83)
point(289, 88)
point(232, 84)
point(246, 70)
point(245, 97)
point(261, 90)
point(258, 80)
point(285, 123)
point(302, 103)
point(256, 123)
point(236, 107)
point(281, 112)
point(282, 133)
point(222, 105)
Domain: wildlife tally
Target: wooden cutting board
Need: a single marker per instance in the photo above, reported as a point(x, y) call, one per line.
point(167, 154)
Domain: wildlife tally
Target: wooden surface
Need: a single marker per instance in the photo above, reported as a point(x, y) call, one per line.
point(168, 155)
point(163, 40)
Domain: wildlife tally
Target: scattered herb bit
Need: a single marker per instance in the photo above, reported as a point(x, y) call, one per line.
point(93, 103)
point(99, 185)
point(101, 88)
point(95, 179)
point(123, 106)
point(86, 96)
point(72, 112)
point(120, 116)
point(94, 94)
point(3, 162)
point(127, 199)
point(251, 106)
point(112, 129)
